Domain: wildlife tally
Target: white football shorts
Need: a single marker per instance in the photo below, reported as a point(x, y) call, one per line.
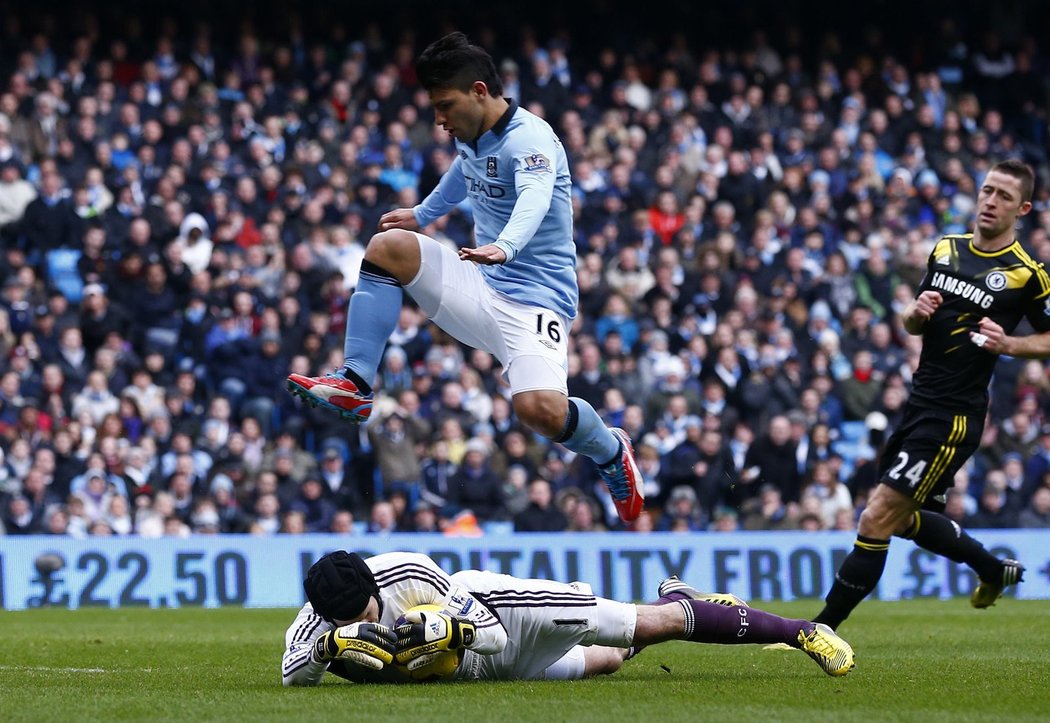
point(529, 341)
point(546, 624)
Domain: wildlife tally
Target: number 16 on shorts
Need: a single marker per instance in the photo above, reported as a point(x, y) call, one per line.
point(549, 331)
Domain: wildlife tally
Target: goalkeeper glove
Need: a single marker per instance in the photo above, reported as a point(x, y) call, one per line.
point(425, 633)
point(366, 644)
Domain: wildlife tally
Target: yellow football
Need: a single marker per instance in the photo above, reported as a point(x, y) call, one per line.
point(442, 666)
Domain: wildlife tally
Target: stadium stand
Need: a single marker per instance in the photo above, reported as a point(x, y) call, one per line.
point(185, 200)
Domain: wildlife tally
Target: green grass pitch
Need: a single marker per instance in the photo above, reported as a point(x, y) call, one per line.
point(916, 661)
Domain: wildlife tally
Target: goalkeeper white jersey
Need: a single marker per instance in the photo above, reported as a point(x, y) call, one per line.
point(405, 580)
point(523, 625)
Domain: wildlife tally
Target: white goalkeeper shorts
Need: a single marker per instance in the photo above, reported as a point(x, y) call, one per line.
point(545, 622)
point(531, 342)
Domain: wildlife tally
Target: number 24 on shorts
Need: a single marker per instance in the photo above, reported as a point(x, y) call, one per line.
point(913, 473)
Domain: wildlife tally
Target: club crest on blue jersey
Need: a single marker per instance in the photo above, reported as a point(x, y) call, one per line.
point(537, 162)
point(491, 169)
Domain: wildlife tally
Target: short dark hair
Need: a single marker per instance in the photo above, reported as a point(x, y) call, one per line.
point(452, 62)
point(1022, 172)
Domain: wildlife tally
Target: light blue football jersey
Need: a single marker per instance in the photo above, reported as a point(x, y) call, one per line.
point(516, 176)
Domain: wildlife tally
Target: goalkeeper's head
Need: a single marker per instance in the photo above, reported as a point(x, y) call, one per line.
point(340, 586)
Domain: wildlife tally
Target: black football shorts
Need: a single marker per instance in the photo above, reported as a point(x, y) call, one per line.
point(926, 450)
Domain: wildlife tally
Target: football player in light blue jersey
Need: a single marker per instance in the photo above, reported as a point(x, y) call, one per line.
point(517, 178)
point(514, 295)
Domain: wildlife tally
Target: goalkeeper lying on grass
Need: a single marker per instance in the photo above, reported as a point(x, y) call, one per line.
point(398, 617)
point(363, 622)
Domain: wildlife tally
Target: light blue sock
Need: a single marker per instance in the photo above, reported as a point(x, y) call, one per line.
point(370, 320)
point(585, 433)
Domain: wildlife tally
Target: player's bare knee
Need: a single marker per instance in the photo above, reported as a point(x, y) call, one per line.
point(886, 514)
point(395, 251)
point(542, 411)
point(384, 246)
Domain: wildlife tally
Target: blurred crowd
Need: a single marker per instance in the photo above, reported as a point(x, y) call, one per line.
point(183, 215)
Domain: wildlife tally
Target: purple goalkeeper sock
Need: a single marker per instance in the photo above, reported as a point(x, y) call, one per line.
point(670, 598)
point(712, 623)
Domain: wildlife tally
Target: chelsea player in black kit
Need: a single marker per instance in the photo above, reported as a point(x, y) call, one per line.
point(976, 290)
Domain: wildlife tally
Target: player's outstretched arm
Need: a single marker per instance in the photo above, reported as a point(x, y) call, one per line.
point(297, 665)
point(450, 190)
point(299, 668)
point(311, 644)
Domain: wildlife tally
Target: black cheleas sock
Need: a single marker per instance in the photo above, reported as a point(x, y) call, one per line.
point(941, 535)
point(856, 578)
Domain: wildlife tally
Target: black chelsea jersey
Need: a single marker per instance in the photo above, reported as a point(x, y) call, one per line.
point(1006, 286)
